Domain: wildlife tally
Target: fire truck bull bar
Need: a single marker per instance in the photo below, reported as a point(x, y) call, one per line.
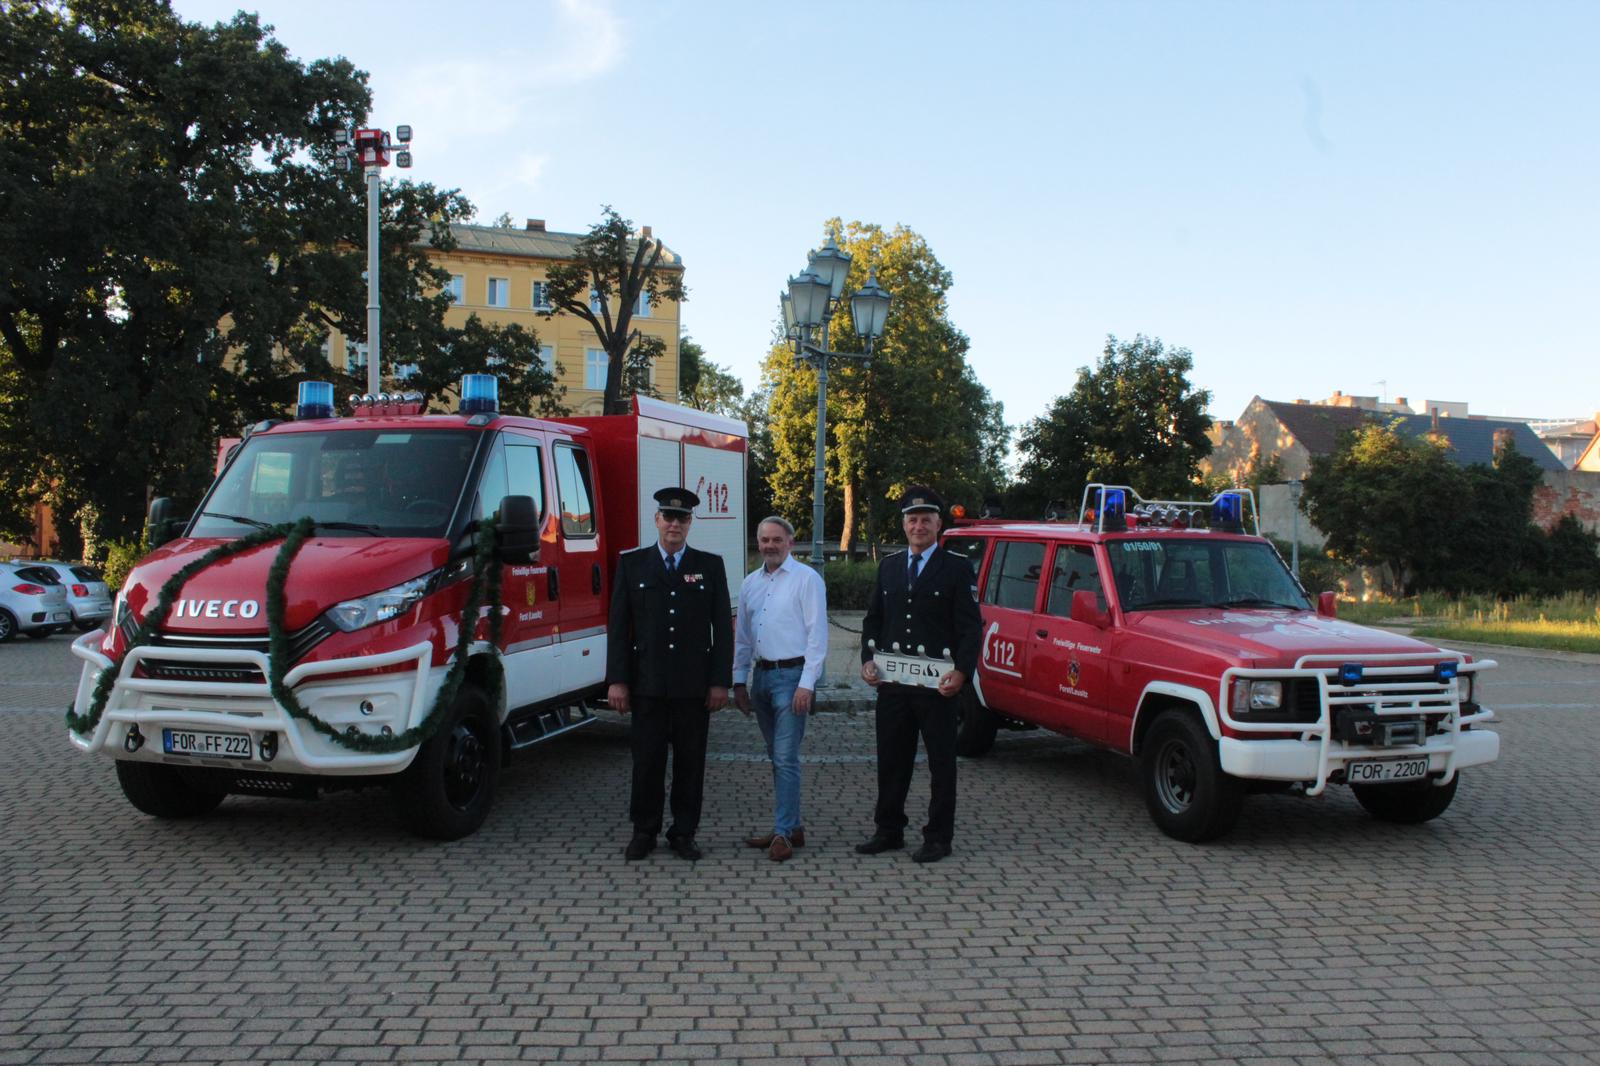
point(1317, 754)
point(399, 700)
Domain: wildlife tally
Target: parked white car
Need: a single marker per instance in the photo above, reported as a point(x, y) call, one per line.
point(32, 601)
point(88, 598)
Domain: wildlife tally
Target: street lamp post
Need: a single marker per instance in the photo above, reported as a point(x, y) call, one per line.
point(808, 307)
point(371, 148)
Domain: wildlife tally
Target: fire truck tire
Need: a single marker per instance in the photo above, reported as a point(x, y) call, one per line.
point(446, 792)
point(165, 791)
point(1410, 804)
point(1189, 796)
point(976, 725)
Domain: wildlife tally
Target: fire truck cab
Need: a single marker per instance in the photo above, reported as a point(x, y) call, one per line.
point(199, 706)
point(1162, 630)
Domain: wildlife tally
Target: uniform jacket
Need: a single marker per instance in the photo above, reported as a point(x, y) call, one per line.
point(940, 612)
point(670, 637)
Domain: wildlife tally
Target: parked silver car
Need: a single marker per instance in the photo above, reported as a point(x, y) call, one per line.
point(87, 595)
point(32, 601)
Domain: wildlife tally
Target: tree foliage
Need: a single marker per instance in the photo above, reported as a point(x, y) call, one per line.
point(611, 263)
point(1133, 419)
point(179, 247)
point(916, 413)
point(705, 385)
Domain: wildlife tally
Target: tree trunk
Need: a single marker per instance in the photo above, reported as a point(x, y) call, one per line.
point(847, 527)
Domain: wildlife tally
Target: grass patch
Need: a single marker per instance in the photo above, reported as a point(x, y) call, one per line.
point(1561, 636)
point(1565, 623)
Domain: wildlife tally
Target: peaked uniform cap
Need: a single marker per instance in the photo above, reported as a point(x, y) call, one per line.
point(676, 501)
point(920, 498)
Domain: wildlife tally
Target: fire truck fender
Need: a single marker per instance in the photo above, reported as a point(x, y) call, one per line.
point(485, 671)
point(1159, 696)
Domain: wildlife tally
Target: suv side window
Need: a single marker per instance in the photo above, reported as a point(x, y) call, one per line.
point(1014, 574)
point(492, 484)
point(1075, 570)
point(572, 483)
point(524, 472)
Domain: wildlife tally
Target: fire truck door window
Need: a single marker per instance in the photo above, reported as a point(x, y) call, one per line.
point(1075, 569)
point(1014, 575)
point(492, 485)
point(573, 485)
point(525, 473)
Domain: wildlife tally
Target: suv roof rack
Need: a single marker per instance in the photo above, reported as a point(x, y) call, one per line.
point(1105, 508)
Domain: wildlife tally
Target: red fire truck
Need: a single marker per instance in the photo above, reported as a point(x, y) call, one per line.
point(1161, 630)
point(314, 646)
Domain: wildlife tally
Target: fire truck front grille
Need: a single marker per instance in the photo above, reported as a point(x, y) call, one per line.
point(227, 673)
point(301, 641)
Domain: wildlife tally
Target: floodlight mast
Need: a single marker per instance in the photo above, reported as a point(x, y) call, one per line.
point(372, 148)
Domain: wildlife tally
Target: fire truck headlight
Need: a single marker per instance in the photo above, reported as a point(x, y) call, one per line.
point(1257, 696)
point(380, 606)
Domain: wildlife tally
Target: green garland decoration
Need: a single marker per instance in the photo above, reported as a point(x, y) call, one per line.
point(486, 584)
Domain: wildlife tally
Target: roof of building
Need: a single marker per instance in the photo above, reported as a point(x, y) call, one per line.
point(536, 244)
point(1471, 439)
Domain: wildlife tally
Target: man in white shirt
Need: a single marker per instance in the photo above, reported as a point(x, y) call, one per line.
point(779, 647)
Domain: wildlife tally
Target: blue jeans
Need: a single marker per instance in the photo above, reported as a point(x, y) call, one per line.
point(772, 693)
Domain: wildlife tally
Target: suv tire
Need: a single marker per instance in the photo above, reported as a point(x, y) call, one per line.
point(446, 792)
point(976, 725)
point(1188, 795)
point(165, 791)
point(1410, 804)
point(8, 625)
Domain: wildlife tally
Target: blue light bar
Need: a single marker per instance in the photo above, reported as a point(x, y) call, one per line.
point(479, 393)
point(1350, 674)
point(1113, 509)
point(1227, 512)
point(316, 400)
point(1443, 672)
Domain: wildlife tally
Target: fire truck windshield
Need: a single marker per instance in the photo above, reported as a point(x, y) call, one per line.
point(1159, 573)
point(387, 483)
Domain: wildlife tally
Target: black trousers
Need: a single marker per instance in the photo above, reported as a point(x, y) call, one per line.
point(657, 723)
point(903, 713)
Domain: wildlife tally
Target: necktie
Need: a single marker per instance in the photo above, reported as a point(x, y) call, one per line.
point(672, 565)
point(916, 565)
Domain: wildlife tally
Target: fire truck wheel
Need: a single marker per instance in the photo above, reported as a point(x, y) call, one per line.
point(1189, 796)
point(1410, 804)
point(165, 791)
point(976, 725)
point(446, 792)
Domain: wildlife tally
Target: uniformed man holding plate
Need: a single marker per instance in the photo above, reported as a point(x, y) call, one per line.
point(924, 622)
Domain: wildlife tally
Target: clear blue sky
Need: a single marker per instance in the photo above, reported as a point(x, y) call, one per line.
point(1309, 196)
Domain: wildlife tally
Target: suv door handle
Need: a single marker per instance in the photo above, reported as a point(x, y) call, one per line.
point(594, 579)
point(555, 583)
point(1040, 633)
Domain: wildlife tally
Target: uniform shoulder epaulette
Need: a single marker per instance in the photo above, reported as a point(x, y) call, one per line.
point(893, 555)
point(636, 551)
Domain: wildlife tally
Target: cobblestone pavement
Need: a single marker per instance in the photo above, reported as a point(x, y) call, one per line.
point(1064, 929)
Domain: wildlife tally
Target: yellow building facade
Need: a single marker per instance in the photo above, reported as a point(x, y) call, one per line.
point(497, 273)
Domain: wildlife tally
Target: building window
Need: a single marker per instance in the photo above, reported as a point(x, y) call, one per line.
point(457, 289)
point(355, 356)
point(595, 361)
point(594, 300)
point(541, 296)
point(641, 308)
point(547, 358)
point(406, 371)
point(499, 292)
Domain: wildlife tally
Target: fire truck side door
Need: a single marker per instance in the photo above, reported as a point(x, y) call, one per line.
point(1010, 597)
point(578, 576)
point(1067, 673)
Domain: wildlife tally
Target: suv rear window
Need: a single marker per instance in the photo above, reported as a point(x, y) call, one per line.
point(86, 573)
point(41, 574)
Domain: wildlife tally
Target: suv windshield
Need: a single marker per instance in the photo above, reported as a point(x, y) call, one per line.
point(1157, 573)
point(387, 483)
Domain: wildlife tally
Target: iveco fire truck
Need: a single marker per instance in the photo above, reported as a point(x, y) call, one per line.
point(1162, 630)
point(298, 631)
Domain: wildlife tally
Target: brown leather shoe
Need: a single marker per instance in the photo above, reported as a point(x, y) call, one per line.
point(780, 851)
point(797, 839)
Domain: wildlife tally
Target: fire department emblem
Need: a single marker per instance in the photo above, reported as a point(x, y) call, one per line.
point(1073, 670)
point(533, 594)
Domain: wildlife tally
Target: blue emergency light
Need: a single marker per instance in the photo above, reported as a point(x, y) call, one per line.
point(1227, 512)
point(480, 393)
point(316, 400)
point(1446, 671)
point(1113, 509)
point(1350, 674)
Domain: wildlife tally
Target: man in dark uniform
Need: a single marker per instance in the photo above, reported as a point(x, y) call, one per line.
point(925, 599)
point(669, 662)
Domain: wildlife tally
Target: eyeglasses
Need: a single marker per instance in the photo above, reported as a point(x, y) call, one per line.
point(676, 519)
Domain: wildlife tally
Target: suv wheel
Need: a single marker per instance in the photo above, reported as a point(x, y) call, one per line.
point(976, 725)
point(8, 625)
point(1188, 795)
point(165, 791)
point(446, 792)
point(1409, 804)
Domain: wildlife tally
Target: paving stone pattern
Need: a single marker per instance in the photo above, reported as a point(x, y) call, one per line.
point(1064, 929)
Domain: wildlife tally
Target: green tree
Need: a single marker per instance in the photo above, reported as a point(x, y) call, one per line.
point(916, 413)
point(1133, 419)
point(705, 385)
point(188, 248)
point(610, 262)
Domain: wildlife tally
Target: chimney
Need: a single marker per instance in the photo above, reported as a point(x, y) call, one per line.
point(1337, 394)
point(536, 225)
point(1435, 420)
point(1400, 401)
point(645, 232)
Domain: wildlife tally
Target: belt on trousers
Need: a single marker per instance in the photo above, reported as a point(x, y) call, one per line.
point(780, 664)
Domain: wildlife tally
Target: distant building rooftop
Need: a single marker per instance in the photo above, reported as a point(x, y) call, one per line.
point(1317, 427)
point(534, 241)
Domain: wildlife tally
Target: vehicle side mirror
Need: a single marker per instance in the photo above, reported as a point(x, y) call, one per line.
point(1328, 605)
point(1086, 609)
point(517, 530)
point(162, 521)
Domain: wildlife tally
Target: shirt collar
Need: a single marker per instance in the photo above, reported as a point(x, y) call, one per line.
point(787, 564)
point(670, 557)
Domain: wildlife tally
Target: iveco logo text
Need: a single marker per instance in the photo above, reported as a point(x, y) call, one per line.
point(216, 609)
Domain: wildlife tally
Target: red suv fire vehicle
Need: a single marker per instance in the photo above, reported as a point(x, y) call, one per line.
point(390, 597)
point(1161, 630)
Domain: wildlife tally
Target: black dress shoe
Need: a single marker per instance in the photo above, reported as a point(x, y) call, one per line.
point(641, 845)
point(931, 851)
point(879, 844)
point(686, 848)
